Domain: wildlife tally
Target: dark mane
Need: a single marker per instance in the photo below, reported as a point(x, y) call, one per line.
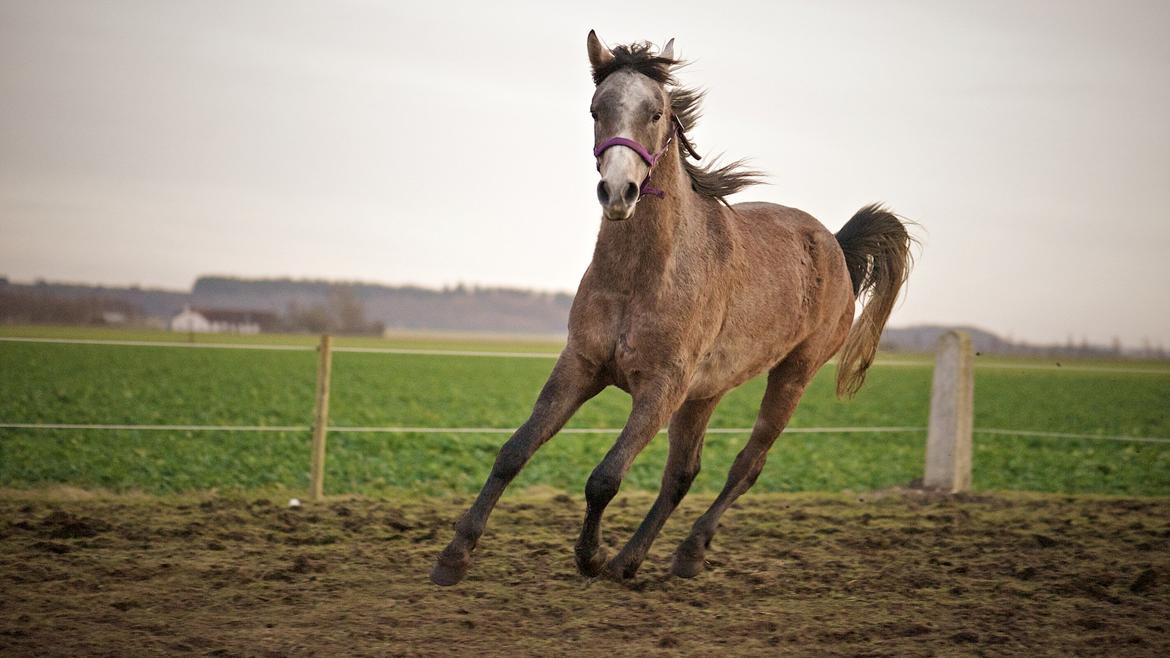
point(713, 180)
point(637, 56)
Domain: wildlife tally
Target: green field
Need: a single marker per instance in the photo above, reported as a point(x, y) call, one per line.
point(64, 383)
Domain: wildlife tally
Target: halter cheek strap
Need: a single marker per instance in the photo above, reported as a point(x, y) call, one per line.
point(649, 158)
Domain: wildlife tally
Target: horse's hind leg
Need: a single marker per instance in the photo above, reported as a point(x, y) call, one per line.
point(786, 383)
point(571, 383)
point(682, 465)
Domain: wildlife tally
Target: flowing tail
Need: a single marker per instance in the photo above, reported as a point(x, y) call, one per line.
point(877, 252)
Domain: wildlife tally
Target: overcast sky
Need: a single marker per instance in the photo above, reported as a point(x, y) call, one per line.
point(436, 143)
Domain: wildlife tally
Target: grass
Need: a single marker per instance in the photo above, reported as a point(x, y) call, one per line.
point(50, 383)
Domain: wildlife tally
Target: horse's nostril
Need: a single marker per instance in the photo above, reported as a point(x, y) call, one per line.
point(603, 193)
point(631, 192)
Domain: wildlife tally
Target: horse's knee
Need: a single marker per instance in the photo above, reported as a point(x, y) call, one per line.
point(751, 474)
point(509, 461)
point(747, 467)
point(601, 487)
point(750, 480)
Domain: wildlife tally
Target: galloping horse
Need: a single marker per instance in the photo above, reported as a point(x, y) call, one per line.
point(686, 298)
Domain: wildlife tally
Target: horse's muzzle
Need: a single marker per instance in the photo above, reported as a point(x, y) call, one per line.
point(617, 200)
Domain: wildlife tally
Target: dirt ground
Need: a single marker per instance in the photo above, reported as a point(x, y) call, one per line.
point(891, 573)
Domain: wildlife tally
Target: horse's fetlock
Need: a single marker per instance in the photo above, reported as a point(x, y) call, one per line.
point(467, 531)
point(601, 487)
point(590, 559)
point(632, 563)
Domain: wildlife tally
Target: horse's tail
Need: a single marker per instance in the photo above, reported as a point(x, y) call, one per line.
point(877, 253)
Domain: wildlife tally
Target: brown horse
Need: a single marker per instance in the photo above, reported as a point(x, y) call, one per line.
point(687, 298)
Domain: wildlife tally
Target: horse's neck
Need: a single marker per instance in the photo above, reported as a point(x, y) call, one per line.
point(646, 248)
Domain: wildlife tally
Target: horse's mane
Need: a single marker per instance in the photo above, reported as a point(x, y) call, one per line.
point(713, 180)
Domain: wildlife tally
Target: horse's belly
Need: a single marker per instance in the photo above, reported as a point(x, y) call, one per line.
point(726, 367)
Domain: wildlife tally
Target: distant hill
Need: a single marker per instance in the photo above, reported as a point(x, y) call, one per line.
point(407, 307)
point(341, 307)
point(147, 301)
point(924, 338)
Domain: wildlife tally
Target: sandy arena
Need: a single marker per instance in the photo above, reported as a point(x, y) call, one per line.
point(890, 573)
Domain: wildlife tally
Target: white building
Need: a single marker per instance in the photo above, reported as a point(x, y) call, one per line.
point(215, 321)
point(189, 321)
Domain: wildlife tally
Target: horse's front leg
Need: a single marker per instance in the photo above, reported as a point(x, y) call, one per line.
point(653, 404)
point(572, 382)
point(687, 426)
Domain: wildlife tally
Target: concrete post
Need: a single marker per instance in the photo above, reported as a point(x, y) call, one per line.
point(952, 401)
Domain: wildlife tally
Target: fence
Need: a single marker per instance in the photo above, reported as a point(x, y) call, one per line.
point(949, 433)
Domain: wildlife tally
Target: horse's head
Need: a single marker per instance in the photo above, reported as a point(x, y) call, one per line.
point(632, 122)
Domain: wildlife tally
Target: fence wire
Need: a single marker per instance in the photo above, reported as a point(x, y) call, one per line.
point(925, 363)
point(395, 429)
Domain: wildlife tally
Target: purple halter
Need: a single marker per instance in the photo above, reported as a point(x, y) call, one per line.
point(649, 158)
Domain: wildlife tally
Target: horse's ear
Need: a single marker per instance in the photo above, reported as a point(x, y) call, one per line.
point(599, 55)
point(667, 50)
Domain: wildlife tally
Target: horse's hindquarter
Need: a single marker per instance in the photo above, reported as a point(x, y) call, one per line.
point(787, 286)
point(790, 271)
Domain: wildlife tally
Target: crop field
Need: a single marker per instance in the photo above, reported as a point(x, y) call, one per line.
point(69, 383)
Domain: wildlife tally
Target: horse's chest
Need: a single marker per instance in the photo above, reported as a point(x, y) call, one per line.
point(641, 353)
point(628, 337)
point(637, 348)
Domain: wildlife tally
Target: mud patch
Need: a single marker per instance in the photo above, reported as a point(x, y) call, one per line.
point(887, 573)
point(63, 525)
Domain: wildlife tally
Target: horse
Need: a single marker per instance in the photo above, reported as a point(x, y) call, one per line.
point(686, 298)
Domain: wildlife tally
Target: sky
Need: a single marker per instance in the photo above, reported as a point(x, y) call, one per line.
point(440, 143)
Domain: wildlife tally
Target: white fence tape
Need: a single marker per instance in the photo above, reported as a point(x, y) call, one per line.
point(925, 363)
point(1066, 435)
point(156, 428)
point(159, 343)
point(394, 429)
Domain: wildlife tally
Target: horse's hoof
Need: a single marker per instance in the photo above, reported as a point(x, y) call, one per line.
point(446, 575)
point(620, 571)
point(688, 559)
point(592, 565)
point(451, 566)
point(687, 568)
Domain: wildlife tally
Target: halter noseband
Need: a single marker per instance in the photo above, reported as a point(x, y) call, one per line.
point(649, 158)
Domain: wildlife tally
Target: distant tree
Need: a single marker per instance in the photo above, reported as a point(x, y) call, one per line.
point(346, 311)
point(342, 312)
point(37, 307)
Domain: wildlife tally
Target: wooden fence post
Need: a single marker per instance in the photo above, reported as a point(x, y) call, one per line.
point(321, 418)
point(952, 400)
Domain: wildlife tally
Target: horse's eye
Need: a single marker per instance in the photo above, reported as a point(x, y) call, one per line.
point(656, 117)
point(593, 114)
